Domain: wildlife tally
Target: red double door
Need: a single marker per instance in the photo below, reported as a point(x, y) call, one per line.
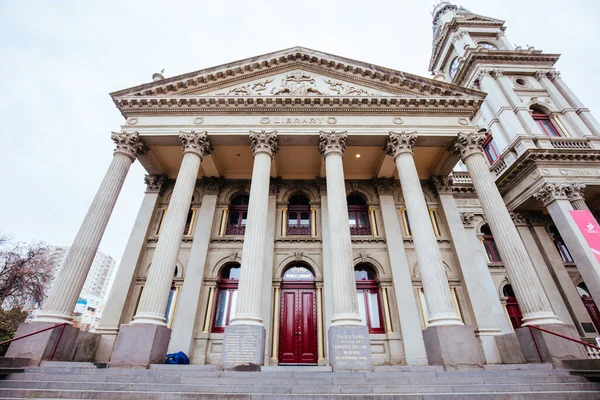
point(298, 325)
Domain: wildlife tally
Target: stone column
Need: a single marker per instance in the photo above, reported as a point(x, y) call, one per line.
point(583, 112)
point(247, 325)
point(576, 125)
point(267, 297)
point(346, 321)
point(444, 323)
point(500, 106)
point(414, 347)
point(155, 296)
point(144, 341)
point(542, 270)
point(576, 197)
point(59, 305)
point(185, 319)
point(435, 282)
point(113, 311)
point(527, 286)
point(326, 248)
point(555, 197)
point(490, 316)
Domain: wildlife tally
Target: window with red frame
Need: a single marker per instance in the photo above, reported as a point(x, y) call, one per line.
point(369, 307)
point(358, 215)
point(512, 307)
point(560, 245)
point(298, 215)
point(490, 245)
point(238, 215)
point(491, 149)
point(227, 287)
point(545, 124)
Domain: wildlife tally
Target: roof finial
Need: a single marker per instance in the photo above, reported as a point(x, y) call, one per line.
point(158, 76)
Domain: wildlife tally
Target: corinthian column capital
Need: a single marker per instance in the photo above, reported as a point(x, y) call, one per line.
point(576, 192)
point(384, 186)
point(443, 184)
point(154, 183)
point(519, 219)
point(332, 142)
point(400, 142)
point(129, 144)
point(541, 74)
point(264, 142)
point(552, 191)
point(196, 142)
point(468, 144)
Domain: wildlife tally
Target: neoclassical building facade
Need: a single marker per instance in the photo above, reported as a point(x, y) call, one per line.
point(307, 209)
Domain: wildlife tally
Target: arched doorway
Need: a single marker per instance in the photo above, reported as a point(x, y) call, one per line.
point(298, 317)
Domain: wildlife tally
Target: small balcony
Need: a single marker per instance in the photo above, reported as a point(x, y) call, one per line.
point(357, 230)
point(298, 229)
point(235, 230)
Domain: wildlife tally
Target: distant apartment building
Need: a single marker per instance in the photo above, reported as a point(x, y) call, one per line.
point(92, 299)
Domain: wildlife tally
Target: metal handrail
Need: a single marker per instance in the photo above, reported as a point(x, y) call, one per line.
point(40, 331)
point(555, 334)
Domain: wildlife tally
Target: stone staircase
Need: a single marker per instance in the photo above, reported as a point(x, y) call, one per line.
point(59, 380)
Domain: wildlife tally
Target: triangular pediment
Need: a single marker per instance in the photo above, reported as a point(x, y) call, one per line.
point(297, 82)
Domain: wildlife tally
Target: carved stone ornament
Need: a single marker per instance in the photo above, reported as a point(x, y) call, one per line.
point(264, 142)
point(468, 144)
point(384, 186)
point(297, 83)
point(154, 183)
point(198, 120)
point(553, 74)
point(467, 219)
point(519, 219)
point(321, 185)
point(364, 257)
point(274, 185)
point(399, 143)
point(552, 191)
point(232, 256)
point(332, 142)
point(463, 121)
point(443, 184)
point(483, 74)
point(541, 74)
point(398, 120)
point(345, 89)
point(537, 219)
point(212, 185)
point(251, 89)
point(129, 144)
point(132, 121)
point(197, 143)
point(298, 255)
point(577, 191)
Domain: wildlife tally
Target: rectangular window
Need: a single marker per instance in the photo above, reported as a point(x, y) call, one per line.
point(405, 222)
point(369, 309)
point(189, 223)
point(226, 301)
point(491, 251)
point(546, 125)
point(163, 213)
point(491, 149)
point(425, 312)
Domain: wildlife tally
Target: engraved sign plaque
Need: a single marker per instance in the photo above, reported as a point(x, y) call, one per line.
point(349, 348)
point(243, 347)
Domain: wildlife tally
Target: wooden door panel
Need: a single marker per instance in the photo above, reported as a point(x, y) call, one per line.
point(307, 318)
point(287, 329)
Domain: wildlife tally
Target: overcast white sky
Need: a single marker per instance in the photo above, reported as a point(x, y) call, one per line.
point(59, 60)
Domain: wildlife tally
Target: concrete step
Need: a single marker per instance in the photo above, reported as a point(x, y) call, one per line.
point(13, 362)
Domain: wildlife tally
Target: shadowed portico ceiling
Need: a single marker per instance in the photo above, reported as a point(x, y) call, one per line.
point(299, 80)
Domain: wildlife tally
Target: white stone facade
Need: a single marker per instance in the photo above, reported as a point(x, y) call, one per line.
point(371, 151)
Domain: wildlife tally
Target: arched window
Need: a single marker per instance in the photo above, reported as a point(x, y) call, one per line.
point(358, 215)
point(589, 304)
point(227, 287)
point(489, 245)
point(238, 215)
point(545, 123)
point(512, 307)
point(369, 307)
point(298, 218)
point(560, 244)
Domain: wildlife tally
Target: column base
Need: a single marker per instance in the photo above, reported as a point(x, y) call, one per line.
point(349, 348)
point(453, 346)
point(552, 348)
point(243, 347)
point(510, 349)
point(487, 338)
point(40, 347)
point(139, 345)
point(108, 337)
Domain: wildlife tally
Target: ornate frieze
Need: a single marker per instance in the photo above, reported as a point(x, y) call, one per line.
point(552, 191)
point(332, 142)
point(443, 184)
point(212, 185)
point(345, 89)
point(264, 142)
point(384, 186)
point(129, 144)
point(400, 142)
point(196, 142)
point(154, 183)
point(467, 144)
point(541, 74)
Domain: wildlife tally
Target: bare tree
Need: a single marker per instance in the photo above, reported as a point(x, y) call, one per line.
point(25, 272)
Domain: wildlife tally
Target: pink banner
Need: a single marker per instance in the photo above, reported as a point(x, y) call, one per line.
point(589, 227)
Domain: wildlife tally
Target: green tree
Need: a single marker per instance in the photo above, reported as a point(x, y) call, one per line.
point(9, 322)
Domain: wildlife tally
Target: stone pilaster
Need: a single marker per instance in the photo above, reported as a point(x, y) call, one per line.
point(583, 112)
point(435, 283)
point(576, 197)
point(524, 280)
point(151, 309)
point(112, 314)
point(67, 287)
point(345, 308)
